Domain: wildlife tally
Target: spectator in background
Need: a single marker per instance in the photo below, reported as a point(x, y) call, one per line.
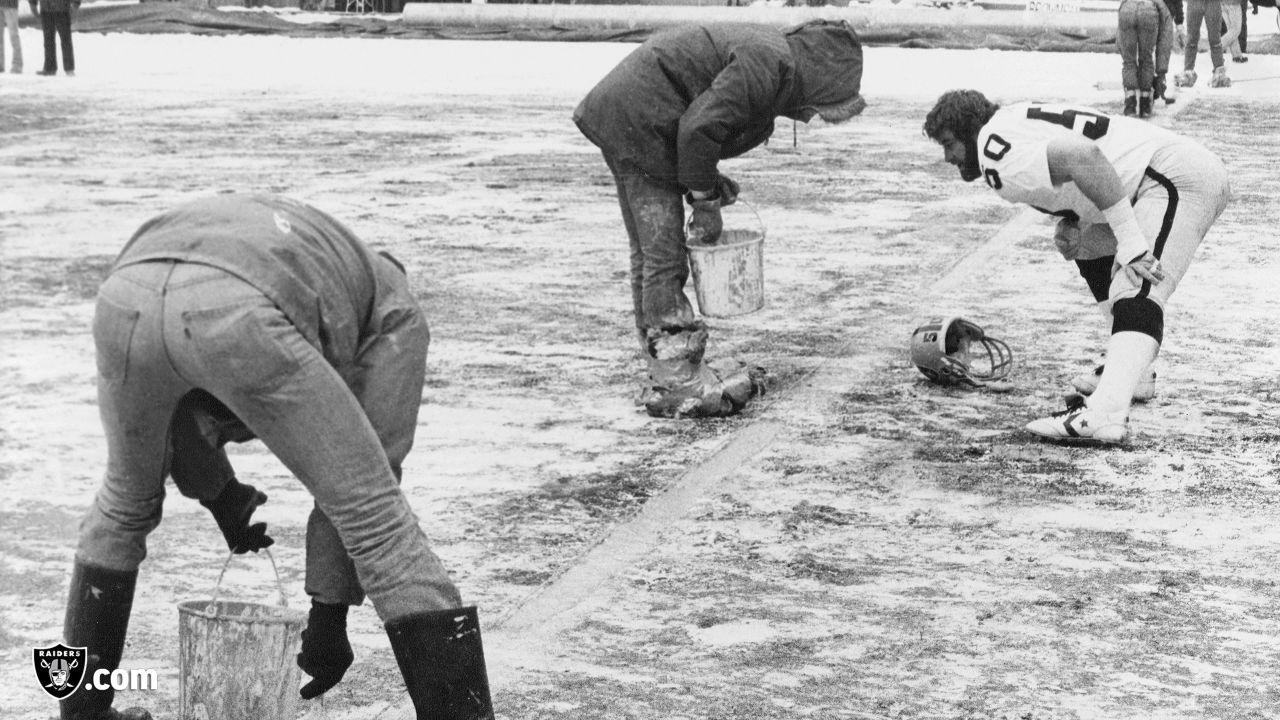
point(9, 24)
point(1209, 14)
point(1136, 35)
point(55, 18)
point(1244, 25)
point(1170, 29)
point(1232, 19)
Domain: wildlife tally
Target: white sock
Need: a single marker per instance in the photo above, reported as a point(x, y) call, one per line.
point(1129, 354)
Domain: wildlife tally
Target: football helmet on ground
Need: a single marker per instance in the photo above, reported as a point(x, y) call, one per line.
point(946, 349)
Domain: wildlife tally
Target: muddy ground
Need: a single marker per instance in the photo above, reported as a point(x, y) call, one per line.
point(859, 544)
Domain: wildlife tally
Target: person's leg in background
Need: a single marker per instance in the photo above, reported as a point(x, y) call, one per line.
point(9, 26)
point(1127, 41)
point(1148, 30)
point(1231, 18)
point(1213, 29)
point(1244, 26)
point(62, 23)
point(1165, 36)
point(50, 44)
point(1195, 11)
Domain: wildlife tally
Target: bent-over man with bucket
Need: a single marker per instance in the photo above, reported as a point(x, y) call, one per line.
point(255, 315)
point(664, 118)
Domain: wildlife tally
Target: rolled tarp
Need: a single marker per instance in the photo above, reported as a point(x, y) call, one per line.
point(861, 16)
point(907, 26)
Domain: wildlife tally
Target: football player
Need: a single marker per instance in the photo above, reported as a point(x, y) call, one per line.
point(1134, 202)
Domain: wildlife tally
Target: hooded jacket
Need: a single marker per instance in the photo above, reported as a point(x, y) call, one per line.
point(690, 97)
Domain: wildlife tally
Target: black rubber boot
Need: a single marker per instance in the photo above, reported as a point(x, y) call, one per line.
point(1144, 105)
point(1130, 105)
point(98, 608)
point(442, 659)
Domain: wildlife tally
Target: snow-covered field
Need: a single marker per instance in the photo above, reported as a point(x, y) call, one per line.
point(858, 545)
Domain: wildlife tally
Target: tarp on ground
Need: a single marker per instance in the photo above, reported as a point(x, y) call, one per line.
point(163, 17)
point(149, 18)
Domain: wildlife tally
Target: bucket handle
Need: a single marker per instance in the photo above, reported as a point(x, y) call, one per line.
point(750, 207)
point(211, 612)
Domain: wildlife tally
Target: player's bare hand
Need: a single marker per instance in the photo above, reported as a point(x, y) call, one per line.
point(1144, 269)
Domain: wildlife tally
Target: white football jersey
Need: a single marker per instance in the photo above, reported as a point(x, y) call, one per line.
point(1013, 153)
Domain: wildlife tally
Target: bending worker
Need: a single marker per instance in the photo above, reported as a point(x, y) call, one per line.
point(664, 118)
point(255, 315)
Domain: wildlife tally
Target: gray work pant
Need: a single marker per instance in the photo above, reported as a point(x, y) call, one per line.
point(1208, 12)
point(653, 213)
point(1138, 31)
point(162, 329)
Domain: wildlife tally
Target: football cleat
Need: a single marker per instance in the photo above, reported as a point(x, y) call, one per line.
point(1185, 79)
point(1086, 382)
point(1079, 424)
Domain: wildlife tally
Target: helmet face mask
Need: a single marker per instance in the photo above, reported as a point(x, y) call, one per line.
point(954, 351)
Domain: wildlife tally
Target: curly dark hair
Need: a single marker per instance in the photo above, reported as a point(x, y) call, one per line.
point(963, 112)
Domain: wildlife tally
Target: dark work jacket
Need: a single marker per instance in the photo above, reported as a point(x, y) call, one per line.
point(312, 267)
point(689, 97)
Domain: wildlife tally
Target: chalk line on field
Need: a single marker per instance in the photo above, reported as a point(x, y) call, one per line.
point(529, 631)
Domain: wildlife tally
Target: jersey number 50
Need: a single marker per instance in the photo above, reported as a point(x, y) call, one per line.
point(1090, 124)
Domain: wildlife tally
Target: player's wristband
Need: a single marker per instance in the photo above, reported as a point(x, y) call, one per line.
point(1131, 244)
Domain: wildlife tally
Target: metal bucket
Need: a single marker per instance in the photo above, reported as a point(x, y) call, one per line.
point(728, 277)
point(237, 660)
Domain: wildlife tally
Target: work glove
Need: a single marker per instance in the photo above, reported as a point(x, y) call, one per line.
point(326, 652)
point(727, 190)
point(1066, 237)
point(232, 510)
point(705, 224)
point(1145, 267)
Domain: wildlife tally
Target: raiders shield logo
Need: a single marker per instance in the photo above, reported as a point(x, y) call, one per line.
point(60, 669)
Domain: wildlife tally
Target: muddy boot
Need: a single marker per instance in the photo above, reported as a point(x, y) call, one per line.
point(1130, 104)
point(682, 385)
point(1220, 79)
point(442, 661)
point(98, 608)
point(1186, 78)
point(1144, 104)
